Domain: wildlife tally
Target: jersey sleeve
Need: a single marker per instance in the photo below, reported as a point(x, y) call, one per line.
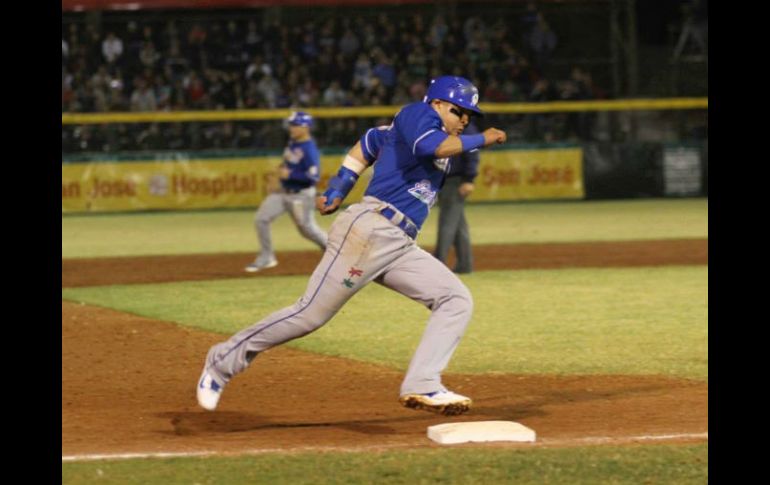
point(421, 128)
point(372, 141)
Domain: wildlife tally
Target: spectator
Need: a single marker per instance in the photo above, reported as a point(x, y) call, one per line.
point(417, 63)
point(542, 125)
point(175, 63)
point(101, 78)
point(117, 101)
point(163, 92)
point(308, 48)
point(362, 73)
point(333, 53)
point(257, 68)
point(73, 37)
point(112, 48)
point(306, 94)
point(143, 96)
point(494, 93)
point(196, 46)
point(148, 56)
point(334, 95)
point(385, 72)
point(369, 40)
point(235, 55)
point(253, 39)
point(269, 89)
point(528, 19)
point(326, 38)
point(349, 44)
point(438, 30)
point(542, 41)
point(471, 26)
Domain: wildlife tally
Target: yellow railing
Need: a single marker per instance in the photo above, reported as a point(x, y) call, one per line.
point(380, 111)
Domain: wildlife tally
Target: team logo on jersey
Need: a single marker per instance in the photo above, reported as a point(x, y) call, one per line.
point(423, 191)
point(348, 282)
point(293, 156)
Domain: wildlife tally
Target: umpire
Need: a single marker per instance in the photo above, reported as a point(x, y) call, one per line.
point(452, 226)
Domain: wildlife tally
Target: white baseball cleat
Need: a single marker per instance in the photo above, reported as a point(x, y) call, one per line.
point(443, 402)
point(260, 265)
point(208, 391)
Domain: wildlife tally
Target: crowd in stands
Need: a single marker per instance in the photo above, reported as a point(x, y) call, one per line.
point(250, 63)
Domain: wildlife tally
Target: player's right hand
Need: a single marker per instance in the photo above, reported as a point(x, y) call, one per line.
point(323, 208)
point(493, 135)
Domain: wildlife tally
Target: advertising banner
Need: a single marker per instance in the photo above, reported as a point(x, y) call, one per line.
point(115, 186)
point(554, 173)
point(178, 184)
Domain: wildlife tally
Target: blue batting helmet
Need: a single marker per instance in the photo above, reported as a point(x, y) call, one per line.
point(300, 118)
point(454, 89)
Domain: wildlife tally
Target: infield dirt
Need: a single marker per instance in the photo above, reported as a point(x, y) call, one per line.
point(128, 382)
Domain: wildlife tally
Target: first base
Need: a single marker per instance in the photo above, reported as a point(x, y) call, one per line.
point(480, 431)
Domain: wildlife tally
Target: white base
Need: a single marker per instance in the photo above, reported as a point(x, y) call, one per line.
point(480, 431)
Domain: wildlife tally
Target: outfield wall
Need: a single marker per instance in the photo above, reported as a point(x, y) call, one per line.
point(177, 181)
point(182, 181)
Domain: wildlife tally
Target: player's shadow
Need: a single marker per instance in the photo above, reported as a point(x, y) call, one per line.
point(187, 423)
point(195, 422)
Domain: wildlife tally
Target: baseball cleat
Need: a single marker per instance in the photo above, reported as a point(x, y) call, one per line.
point(208, 391)
point(441, 402)
point(260, 265)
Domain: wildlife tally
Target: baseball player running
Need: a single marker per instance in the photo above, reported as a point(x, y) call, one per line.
point(374, 240)
point(299, 173)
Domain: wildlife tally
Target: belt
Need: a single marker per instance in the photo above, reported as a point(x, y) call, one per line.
point(400, 220)
point(294, 190)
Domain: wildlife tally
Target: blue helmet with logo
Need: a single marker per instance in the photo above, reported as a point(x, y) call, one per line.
point(454, 89)
point(300, 118)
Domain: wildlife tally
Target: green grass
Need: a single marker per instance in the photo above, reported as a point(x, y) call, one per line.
point(572, 321)
point(633, 465)
point(190, 232)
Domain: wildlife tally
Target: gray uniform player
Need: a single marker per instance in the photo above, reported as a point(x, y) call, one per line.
point(374, 240)
point(299, 173)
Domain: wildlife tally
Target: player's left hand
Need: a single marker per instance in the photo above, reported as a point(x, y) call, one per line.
point(283, 173)
point(320, 204)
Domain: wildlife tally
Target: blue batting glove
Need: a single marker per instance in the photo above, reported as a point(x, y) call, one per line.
point(332, 194)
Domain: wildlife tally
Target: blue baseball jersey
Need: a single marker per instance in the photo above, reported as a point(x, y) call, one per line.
point(304, 162)
point(407, 173)
point(372, 141)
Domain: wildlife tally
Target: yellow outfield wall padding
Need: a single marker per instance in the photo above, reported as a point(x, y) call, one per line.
point(381, 111)
point(244, 182)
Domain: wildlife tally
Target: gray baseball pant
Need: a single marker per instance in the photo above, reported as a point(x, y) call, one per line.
point(363, 246)
point(453, 227)
point(300, 206)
